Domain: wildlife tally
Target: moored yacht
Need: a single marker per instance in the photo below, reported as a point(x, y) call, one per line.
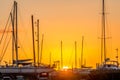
point(21, 68)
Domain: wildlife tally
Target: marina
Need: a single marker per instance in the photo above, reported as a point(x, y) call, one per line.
point(35, 68)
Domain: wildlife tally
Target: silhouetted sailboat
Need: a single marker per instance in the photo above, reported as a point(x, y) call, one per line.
point(106, 63)
point(27, 69)
point(108, 70)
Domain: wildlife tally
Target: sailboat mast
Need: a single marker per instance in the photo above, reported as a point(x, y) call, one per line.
point(75, 54)
point(82, 52)
point(33, 40)
point(38, 41)
point(14, 21)
point(103, 40)
point(16, 35)
point(61, 55)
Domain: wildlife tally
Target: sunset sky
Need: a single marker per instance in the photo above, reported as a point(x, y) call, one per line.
point(66, 20)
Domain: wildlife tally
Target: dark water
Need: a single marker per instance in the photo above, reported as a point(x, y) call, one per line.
point(68, 75)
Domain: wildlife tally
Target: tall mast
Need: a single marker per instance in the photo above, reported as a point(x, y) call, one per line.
point(82, 51)
point(16, 34)
point(103, 40)
point(14, 21)
point(61, 55)
point(75, 54)
point(38, 41)
point(41, 48)
point(33, 39)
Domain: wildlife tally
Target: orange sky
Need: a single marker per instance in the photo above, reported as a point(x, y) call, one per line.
point(66, 20)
